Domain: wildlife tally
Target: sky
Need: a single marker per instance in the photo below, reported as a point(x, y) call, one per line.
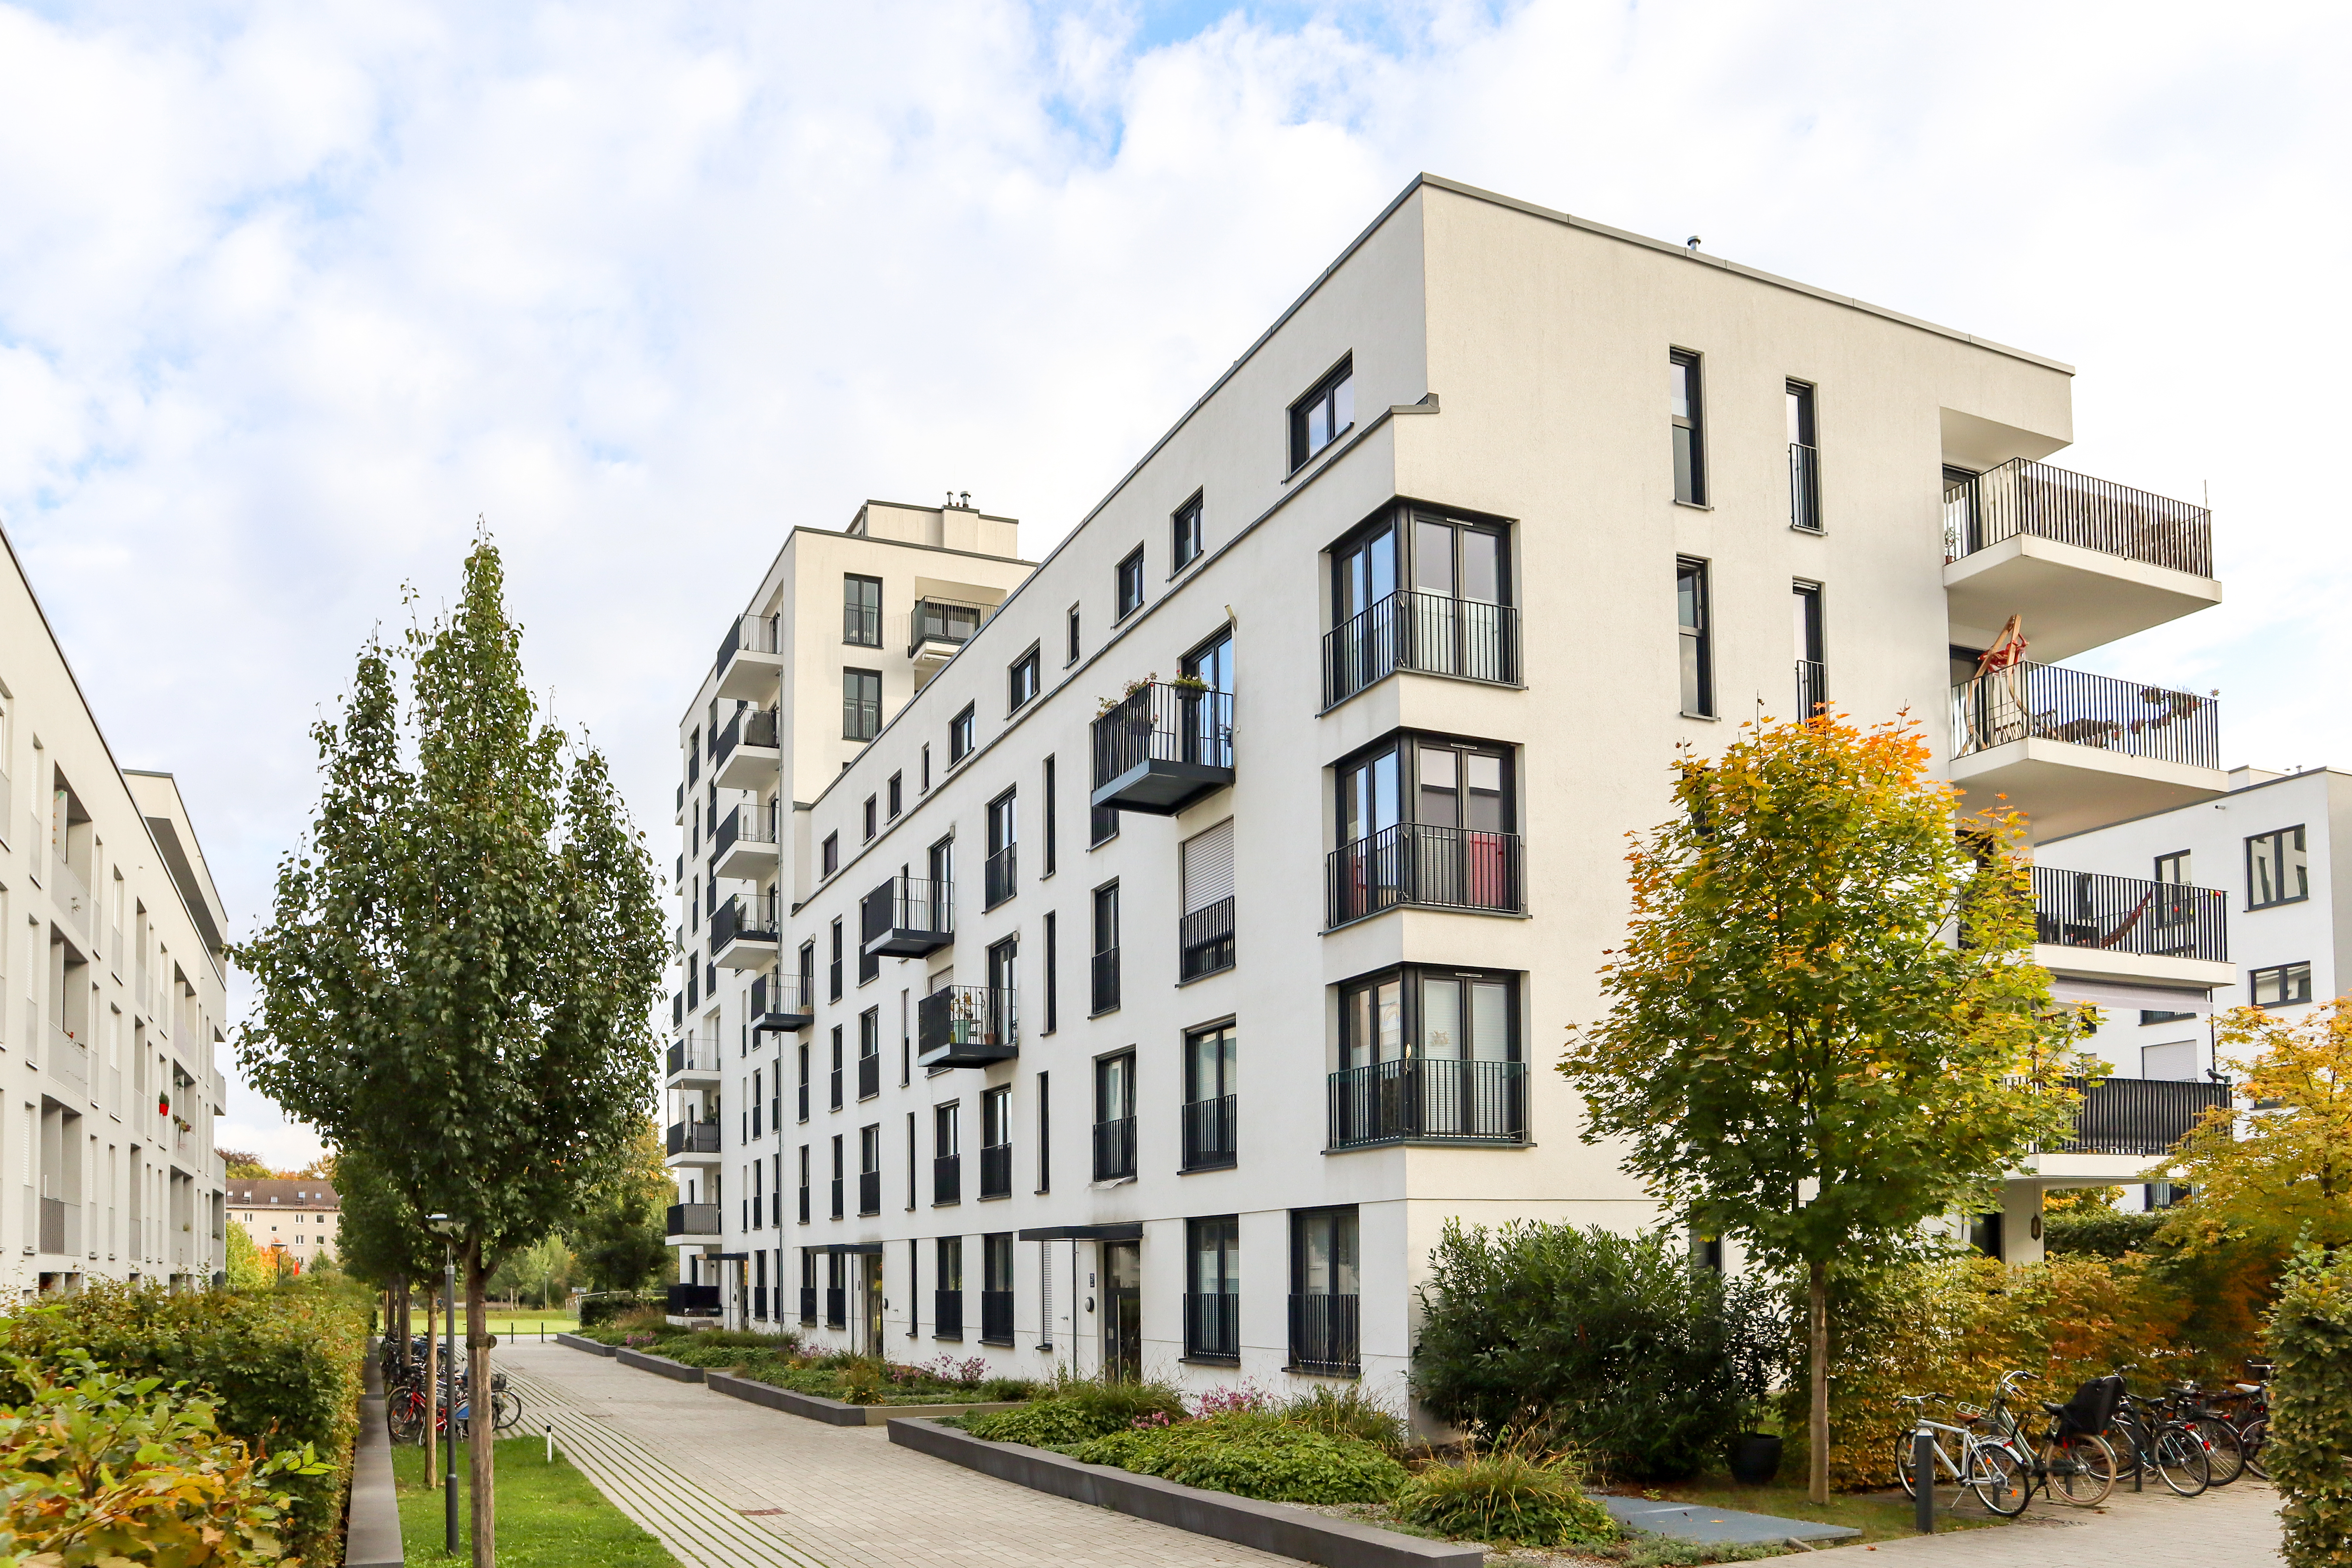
point(292, 294)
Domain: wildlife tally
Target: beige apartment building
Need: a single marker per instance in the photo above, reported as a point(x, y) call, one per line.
point(1135, 957)
point(112, 992)
point(297, 1216)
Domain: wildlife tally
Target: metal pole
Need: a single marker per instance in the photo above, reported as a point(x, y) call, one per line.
point(449, 1374)
point(1923, 1481)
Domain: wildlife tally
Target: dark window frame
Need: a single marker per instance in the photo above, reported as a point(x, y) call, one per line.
point(1689, 426)
point(962, 734)
point(1695, 652)
point(1408, 746)
point(871, 821)
point(1185, 537)
point(829, 856)
point(861, 718)
point(1332, 395)
point(2277, 839)
point(2282, 974)
point(1128, 595)
point(1803, 405)
point(896, 796)
point(861, 623)
point(1102, 901)
point(1073, 645)
point(1408, 1007)
point(1023, 681)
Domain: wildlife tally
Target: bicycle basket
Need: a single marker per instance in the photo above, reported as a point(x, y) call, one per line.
point(2094, 1405)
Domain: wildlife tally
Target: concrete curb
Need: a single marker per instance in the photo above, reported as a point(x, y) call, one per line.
point(1267, 1526)
point(372, 1526)
point(590, 1346)
point(676, 1370)
point(832, 1412)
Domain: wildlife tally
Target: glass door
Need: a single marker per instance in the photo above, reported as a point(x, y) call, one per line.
point(1208, 715)
point(1122, 1301)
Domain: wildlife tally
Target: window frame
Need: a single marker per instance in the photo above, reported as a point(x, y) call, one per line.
point(1410, 1022)
point(2277, 838)
point(857, 704)
point(1335, 386)
point(1803, 406)
point(872, 820)
point(1700, 638)
point(1102, 901)
point(1689, 427)
point(1073, 641)
point(1186, 539)
point(829, 856)
point(2299, 969)
point(1406, 746)
point(962, 734)
point(855, 616)
point(897, 792)
point(1128, 592)
point(1023, 681)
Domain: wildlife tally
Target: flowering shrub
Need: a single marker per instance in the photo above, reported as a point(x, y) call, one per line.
point(636, 1342)
point(943, 1369)
point(1249, 1398)
point(1149, 1421)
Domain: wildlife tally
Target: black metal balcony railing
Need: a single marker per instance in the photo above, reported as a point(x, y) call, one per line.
point(744, 825)
point(947, 1179)
point(996, 1170)
point(781, 1001)
point(743, 917)
point(837, 1196)
point(2127, 914)
point(692, 1219)
point(1162, 746)
point(947, 1314)
point(696, 1300)
point(941, 620)
point(861, 624)
point(747, 633)
point(808, 1304)
point(906, 917)
point(2022, 497)
point(1104, 989)
point(1812, 688)
point(693, 1055)
point(745, 727)
point(1430, 634)
point(837, 1307)
point(804, 1205)
point(1205, 941)
point(1324, 1335)
point(694, 1137)
point(1000, 876)
point(1212, 1326)
point(2047, 702)
point(1417, 863)
point(996, 1316)
point(967, 1026)
point(869, 1076)
point(2138, 1116)
point(1804, 486)
point(869, 1191)
point(760, 1301)
point(1209, 1133)
point(1438, 1101)
point(1115, 1149)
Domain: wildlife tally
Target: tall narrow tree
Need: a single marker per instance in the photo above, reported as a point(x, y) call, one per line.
point(1826, 1026)
point(459, 976)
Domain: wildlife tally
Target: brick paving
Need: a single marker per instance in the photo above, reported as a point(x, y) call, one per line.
point(2235, 1526)
point(726, 1484)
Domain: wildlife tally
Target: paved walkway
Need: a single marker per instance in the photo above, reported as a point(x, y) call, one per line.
point(726, 1484)
point(2234, 1526)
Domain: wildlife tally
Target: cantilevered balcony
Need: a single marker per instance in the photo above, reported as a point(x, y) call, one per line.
point(743, 931)
point(1422, 1100)
point(908, 917)
point(2124, 929)
point(966, 1026)
point(691, 1223)
point(1163, 746)
point(2072, 750)
point(693, 1058)
point(780, 1002)
point(744, 847)
point(2081, 561)
point(693, 1142)
point(743, 753)
point(751, 657)
point(935, 629)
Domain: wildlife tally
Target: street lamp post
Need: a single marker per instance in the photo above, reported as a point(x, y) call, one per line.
point(447, 1230)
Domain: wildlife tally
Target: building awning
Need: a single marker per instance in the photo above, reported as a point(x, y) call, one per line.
point(2122, 998)
point(1124, 1230)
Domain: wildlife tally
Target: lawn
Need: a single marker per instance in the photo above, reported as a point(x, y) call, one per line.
point(550, 1515)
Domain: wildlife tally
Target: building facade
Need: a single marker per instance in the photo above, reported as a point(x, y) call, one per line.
point(112, 992)
point(1166, 940)
point(296, 1216)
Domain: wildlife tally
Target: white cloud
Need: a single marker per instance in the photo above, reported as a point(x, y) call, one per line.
point(289, 293)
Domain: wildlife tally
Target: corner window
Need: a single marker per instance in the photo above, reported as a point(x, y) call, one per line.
point(960, 732)
point(1324, 415)
point(1416, 589)
point(1184, 535)
point(2281, 985)
point(1429, 1015)
point(861, 704)
point(1689, 438)
point(1020, 681)
point(1130, 584)
point(1697, 660)
point(1427, 821)
point(2277, 869)
point(861, 611)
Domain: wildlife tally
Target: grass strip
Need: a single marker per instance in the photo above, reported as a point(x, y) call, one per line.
point(550, 1515)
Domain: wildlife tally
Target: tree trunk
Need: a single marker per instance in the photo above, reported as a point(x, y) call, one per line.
point(432, 1396)
point(1817, 1427)
point(482, 1427)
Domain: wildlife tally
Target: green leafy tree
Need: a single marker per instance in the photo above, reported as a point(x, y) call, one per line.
point(2280, 1174)
point(1798, 1053)
point(2311, 1410)
point(620, 1240)
point(459, 974)
point(247, 1270)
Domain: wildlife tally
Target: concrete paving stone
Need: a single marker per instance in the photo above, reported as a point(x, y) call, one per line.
point(2236, 1526)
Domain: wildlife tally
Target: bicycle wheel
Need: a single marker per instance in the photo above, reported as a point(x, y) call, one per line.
point(2225, 1451)
point(2251, 1437)
point(1998, 1477)
point(2081, 1470)
point(506, 1410)
point(2179, 1459)
point(400, 1420)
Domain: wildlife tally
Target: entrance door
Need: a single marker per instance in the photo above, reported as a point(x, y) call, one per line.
point(1122, 1298)
point(869, 1310)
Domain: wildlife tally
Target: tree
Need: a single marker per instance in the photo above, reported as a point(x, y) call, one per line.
point(1798, 1051)
point(2279, 1174)
point(243, 1166)
point(459, 973)
point(620, 1241)
point(248, 1268)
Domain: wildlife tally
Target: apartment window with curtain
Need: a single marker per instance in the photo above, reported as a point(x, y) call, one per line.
point(1115, 1116)
point(1326, 413)
point(1812, 674)
point(1105, 990)
point(1804, 461)
point(1130, 584)
point(1212, 1289)
point(1689, 438)
point(1210, 1090)
point(1325, 1289)
point(1429, 1054)
point(861, 611)
point(861, 704)
point(1184, 535)
point(1020, 681)
point(1698, 661)
point(2278, 869)
point(1426, 820)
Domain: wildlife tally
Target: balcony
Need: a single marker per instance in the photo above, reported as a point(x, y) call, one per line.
point(947, 1179)
point(966, 1026)
point(2127, 929)
point(60, 1227)
point(692, 1300)
point(1209, 1142)
point(743, 931)
point(1420, 1100)
point(744, 847)
point(996, 1170)
point(1424, 865)
point(1115, 1149)
point(691, 1222)
point(2138, 1116)
point(1325, 1333)
point(780, 1002)
point(1212, 1326)
point(935, 629)
point(947, 1314)
point(2072, 750)
point(869, 1191)
point(1812, 688)
point(1162, 747)
point(694, 1142)
point(744, 753)
point(996, 1316)
point(908, 917)
point(693, 1058)
point(1426, 633)
point(2084, 561)
point(999, 876)
point(1205, 941)
point(751, 657)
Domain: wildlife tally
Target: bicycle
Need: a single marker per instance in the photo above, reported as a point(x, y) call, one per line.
point(1987, 1466)
point(2070, 1461)
point(2250, 1412)
point(2225, 1446)
point(2158, 1442)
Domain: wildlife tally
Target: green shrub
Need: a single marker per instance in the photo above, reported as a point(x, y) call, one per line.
point(1075, 1410)
point(1253, 1456)
point(2311, 1411)
point(1041, 1423)
point(596, 1310)
point(2099, 1233)
point(1112, 1404)
point(1507, 1493)
point(1349, 1412)
point(282, 1364)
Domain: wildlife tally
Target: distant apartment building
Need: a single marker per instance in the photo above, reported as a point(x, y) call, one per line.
point(111, 993)
point(1134, 959)
point(294, 1216)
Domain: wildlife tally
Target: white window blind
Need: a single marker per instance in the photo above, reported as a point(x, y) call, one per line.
point(1209, 867)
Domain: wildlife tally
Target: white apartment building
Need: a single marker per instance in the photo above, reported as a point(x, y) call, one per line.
point(296, 1215)
point(1159, 943)
point(112, 991)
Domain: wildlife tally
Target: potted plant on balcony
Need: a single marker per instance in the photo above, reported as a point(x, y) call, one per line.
point(1104, 708)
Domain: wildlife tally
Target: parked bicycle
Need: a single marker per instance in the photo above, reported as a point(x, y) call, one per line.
point(2069, 1460)
point(2156, 1439)
point(2225, 1446)
point(1976, 1462)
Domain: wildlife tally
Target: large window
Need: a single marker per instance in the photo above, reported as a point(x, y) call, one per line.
point(1021, 681)
point(1697, 639)
point(1429, 1053)
point(947, 1153)
point(1421, 590)
point(946, 1303)
point(1213, 1291)
point(996, 1289)
point(1184, 535)
point(1425, 820)
point(1210, 1088)
point(1130, 584)
point(1325, 414)
point(869, 1053)
point(1689, 438)
point(1325, 1287)
point(1115, 1116)
point(1105, 991)
point(869, 1169)
point(1804, 461)
point(2281, 985)
point(996, 1143)
point(861, 704)
point(2277, 869)
point(861, 611)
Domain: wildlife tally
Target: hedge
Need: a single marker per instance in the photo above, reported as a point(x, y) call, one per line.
point(2311, 1412)
point(285, 1363)
point(2097, 1234)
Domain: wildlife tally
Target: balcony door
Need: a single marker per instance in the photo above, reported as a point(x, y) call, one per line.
point(1208, 716)
point(1458, 583)
point(1122, 1314)
point(1466, 1039)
